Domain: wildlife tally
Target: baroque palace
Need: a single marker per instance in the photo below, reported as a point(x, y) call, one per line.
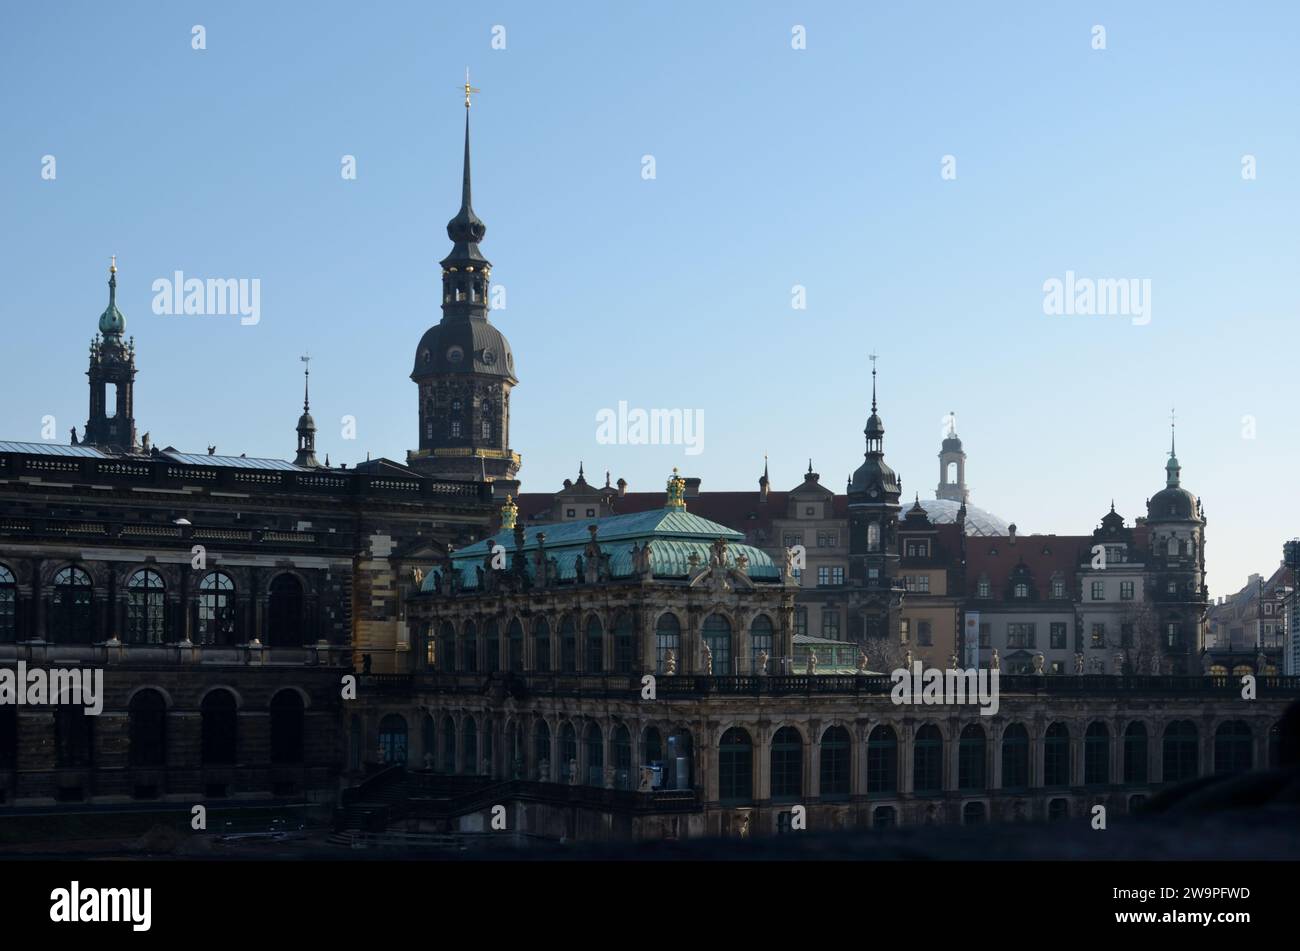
point(604, 663)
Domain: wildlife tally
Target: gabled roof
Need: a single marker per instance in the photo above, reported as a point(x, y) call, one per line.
point(1043, 555)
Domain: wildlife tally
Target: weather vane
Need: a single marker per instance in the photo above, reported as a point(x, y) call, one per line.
point(468, 88)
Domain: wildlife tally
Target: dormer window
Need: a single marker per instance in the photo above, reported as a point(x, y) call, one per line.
point(1021, 590)
point(1058, 589)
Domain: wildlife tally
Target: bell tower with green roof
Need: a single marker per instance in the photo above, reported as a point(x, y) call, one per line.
point(112, 363)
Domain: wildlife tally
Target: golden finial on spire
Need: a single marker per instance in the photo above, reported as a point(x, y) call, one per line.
point(468, 88)
point(112, 267)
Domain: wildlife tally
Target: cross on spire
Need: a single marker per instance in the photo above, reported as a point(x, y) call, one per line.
point(468, 88)
point(1172, 420)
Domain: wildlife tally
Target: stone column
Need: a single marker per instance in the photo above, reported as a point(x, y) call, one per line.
point(995, 757)
point(813, 762)
point(906, 734)
point(861, 733)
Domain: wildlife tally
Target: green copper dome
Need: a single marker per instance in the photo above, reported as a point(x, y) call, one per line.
point(111, 321)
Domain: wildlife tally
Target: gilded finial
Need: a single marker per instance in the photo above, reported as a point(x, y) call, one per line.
point(468, 88)
point(112, 267)
point(676, 492)
point(509, 514)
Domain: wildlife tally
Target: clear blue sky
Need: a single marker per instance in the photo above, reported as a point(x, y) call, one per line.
point(775, 167)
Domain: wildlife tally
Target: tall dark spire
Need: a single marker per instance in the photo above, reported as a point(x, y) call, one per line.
point(306, 425)
point(875, 430)
point(1172, 468)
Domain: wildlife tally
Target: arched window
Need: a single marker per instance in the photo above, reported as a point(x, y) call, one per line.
point(1058, 809)
point(146, 608)
point(1056, 756)
point(835, 759)
point(448, 745)
point(787, 765)
point(973, 814)
point(470, 651)
point(668, 637)
point(469, 751)
point(285, 612)
point(286, 727)
point(760, 641)
point(74, 736)
point(971, 749)
point(71, 619)
point(678, 761)
point(568, 646)
point(393, 739)
point(927, 761)
point(216, 609)
point(653, 751)
point(1180, 760)
point(625, 646)
point(568, 752)
point(1135, 754)
point(446, 647)
point(491, 647)
point(717, 635)
point(1015, 757)
point(488, 754)
point(593, 653)
point(147, 729)
point(8, 606)
point(884, 817)
point(542, 646)
point(515, 648)
point(882, 762)
point(542, 753)
point(1233, 747)
point(735, 768)
point(1096, 754)
point(873, 536)
point(220, 728)
point(622, 743)
point(595, 756)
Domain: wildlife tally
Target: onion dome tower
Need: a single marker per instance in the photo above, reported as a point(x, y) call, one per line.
point(306, 425)
point(1176, 529)
point(873, 500)
point(112, 363)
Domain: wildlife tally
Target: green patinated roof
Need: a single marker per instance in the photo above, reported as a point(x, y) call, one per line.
point(674, 535)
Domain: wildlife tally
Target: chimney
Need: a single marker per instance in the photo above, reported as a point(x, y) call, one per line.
point(622, 487)
point(1011, 530)
point(692, 488)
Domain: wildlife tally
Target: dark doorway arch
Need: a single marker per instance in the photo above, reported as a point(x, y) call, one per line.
point(284, 622)
point(148, 729)
point(220, 728)
point(286, 727)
